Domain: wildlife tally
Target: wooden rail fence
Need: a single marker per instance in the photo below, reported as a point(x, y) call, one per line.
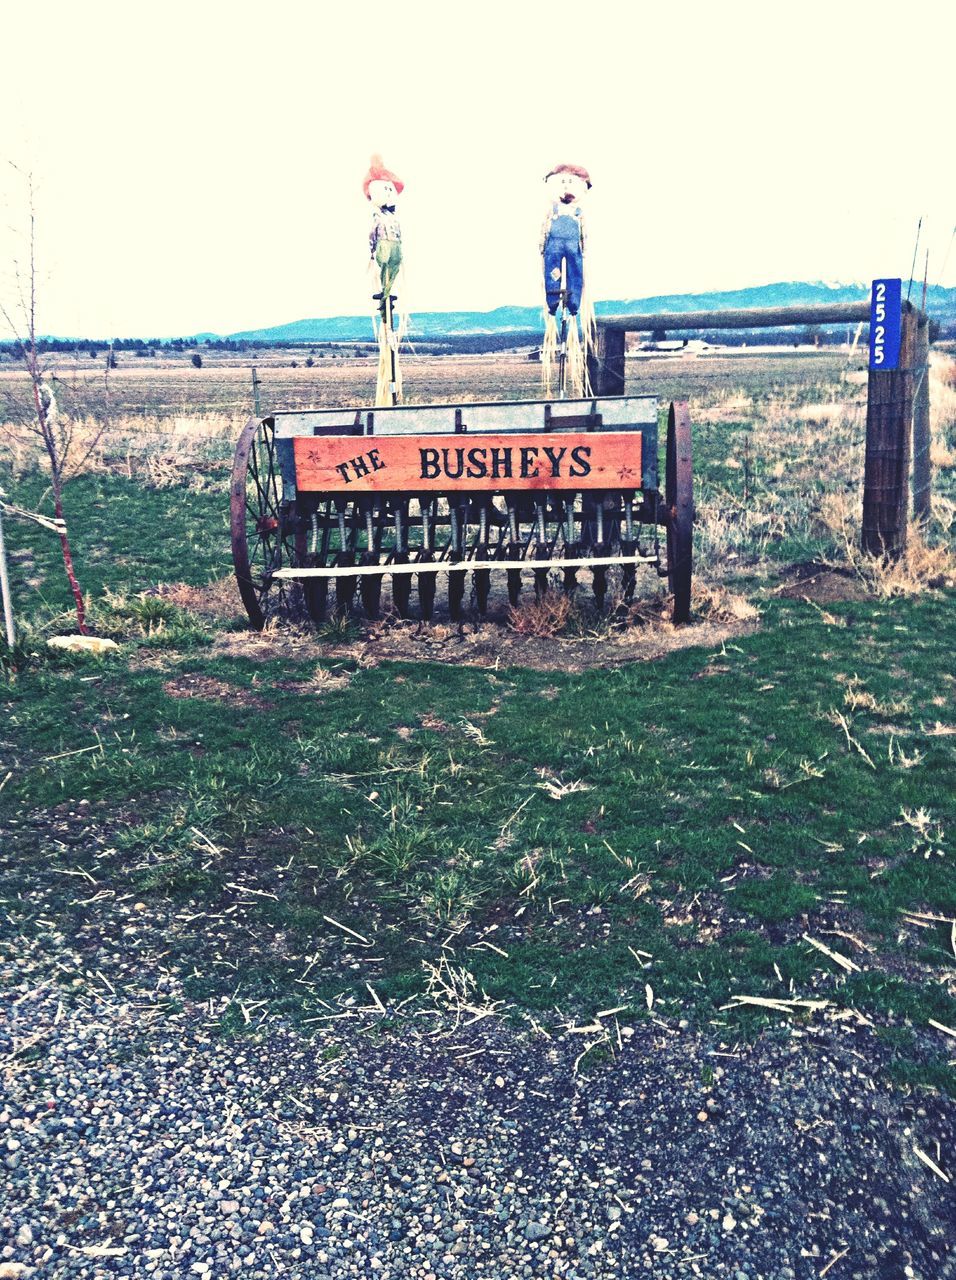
point(897, 408)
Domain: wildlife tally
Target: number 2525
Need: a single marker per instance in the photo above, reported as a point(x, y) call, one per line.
point(879, 336)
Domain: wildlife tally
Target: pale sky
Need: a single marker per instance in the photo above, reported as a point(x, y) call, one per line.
point(199, 165)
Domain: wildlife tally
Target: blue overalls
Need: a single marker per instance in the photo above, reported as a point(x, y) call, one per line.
point(563, 242)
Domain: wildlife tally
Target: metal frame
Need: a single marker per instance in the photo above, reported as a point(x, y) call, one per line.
point(272, 520)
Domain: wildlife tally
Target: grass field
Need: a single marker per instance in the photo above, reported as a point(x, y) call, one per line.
point(291, 820)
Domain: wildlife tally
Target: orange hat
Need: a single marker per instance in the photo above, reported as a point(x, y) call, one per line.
point(571, 168)
point(378, 173)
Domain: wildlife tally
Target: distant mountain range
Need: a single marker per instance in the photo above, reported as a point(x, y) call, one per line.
point(940, 302)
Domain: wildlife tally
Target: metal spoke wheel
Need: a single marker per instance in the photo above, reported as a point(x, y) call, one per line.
point(679, 505)
point(264, 538)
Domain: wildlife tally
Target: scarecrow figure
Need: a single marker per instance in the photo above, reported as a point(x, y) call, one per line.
point(382, 188)
point(562, 248)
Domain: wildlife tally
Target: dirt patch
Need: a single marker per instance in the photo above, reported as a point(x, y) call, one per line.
point(209, 689)
point(639, 633)
point(821, 584)
point(278, 641)
point(492, 643)
point(218, 599)
point(147, 659)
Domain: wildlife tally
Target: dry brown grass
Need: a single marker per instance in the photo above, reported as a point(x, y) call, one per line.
point(544, 616)
point(799, 442)
point(557, 615)
point(942, 399)
point(210, 689)
point(924, 565)
point(726, 405)
point(162, 452)
point(712, 602)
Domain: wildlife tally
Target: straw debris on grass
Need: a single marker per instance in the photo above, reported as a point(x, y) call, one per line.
point(940, 454)
point(454, 989)
point(779, 1005)
point(837, 957)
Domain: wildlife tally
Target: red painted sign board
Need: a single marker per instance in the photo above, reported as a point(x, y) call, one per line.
point(476, 463)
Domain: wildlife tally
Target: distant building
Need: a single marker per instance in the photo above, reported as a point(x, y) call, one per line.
point(673, 346)
point(667, 344)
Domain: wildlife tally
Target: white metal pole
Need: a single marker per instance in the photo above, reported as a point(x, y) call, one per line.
point(5, 590)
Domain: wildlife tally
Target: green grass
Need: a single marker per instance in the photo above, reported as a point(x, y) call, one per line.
point(712, 808)
point(125, 537)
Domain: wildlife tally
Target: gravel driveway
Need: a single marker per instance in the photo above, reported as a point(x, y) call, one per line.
point(138, 1140)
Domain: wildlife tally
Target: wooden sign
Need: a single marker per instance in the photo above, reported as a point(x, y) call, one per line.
point(479, 463)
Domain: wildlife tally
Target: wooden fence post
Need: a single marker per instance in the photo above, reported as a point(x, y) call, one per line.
point(922, 479)
point(606, 364)
point(889, 416)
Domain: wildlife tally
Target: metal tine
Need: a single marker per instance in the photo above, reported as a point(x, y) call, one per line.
point(541, 550)
point(401, 582)
point(599, 548)
point(629, 547)
point(653, 547)
point(482, 576)
point(571, 544)
point(427, 581)
point(345, 557)
point(458, 517)
point(370, 585)
point(513, 551)
point(316, 590)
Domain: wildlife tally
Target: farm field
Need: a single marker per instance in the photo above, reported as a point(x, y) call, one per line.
point(167, 386)
point(730, 843)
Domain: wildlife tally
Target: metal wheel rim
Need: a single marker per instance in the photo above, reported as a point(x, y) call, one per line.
point(260, 544)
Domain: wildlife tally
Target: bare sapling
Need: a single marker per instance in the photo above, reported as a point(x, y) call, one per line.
point(36, 415)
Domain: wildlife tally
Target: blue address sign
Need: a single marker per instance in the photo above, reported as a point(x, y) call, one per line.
point(885, 323)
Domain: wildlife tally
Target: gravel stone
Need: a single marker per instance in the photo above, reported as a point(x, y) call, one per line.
point(152, 1146)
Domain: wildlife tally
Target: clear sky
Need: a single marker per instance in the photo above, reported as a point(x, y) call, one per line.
point(199, 165)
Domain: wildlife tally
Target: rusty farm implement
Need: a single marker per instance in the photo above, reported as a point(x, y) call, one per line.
point(328, 502)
